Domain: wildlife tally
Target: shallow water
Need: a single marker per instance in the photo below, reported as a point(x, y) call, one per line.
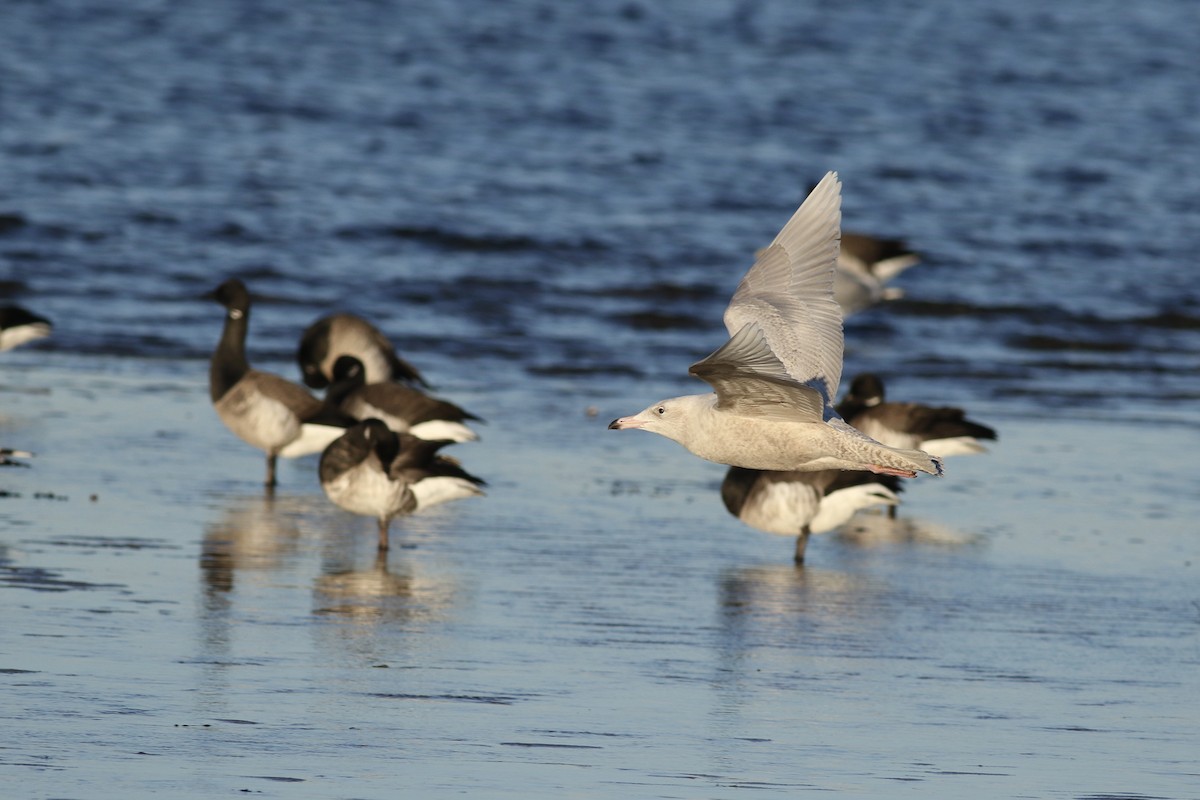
point(1028, 627)
point(547, 210)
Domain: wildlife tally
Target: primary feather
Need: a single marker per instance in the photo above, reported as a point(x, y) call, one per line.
point(788, 293)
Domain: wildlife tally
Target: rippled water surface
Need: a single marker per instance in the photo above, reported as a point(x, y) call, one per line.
point(547, 208)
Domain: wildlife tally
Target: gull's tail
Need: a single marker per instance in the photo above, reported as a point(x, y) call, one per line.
point(908, 461)
point(885, 460)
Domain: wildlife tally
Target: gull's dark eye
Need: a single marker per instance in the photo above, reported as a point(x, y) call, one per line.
point(661, 410)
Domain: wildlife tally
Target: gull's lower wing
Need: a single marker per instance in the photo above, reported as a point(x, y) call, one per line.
point(749, 379)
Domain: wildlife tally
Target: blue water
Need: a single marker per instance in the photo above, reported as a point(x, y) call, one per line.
point(571, 192)
point(547, 205)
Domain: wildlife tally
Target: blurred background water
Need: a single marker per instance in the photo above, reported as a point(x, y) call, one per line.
point(575, 192)
point(546, 206)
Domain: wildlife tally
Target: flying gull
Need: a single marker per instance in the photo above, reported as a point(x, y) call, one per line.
point(776, 377)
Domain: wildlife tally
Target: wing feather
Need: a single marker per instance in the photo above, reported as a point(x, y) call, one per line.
point(749, 379)
point(788, 293)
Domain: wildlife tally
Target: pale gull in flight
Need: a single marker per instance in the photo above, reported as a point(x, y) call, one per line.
point(776, 377)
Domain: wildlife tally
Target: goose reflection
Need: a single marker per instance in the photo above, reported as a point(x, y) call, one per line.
point(774, 601)
point(382, 592)
point(877, 530)
point(255, 534)
point(254, 539)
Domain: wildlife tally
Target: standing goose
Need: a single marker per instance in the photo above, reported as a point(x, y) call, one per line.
point(9, 456)
point(883, 259)
point(374, 471)
point(865, 266)
point(803, 503)
point(273, 414)
point(940, 431)
point(18, 326)
point(776, 376)
point(402, 408)
point(350, 335)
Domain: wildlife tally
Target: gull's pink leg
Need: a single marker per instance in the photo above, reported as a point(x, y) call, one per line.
point(899, 473)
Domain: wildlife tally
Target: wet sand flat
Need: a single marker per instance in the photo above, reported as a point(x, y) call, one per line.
point(596, 627)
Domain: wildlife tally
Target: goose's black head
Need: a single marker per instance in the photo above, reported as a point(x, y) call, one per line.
point(349, 375)
point(866, 389)
point(314, 346)
point(380, 438)
point(348, 369)
point(234, 296)
point(229, 364)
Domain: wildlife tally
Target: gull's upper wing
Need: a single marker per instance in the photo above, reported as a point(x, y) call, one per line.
point(788, 293)
point(750, 380)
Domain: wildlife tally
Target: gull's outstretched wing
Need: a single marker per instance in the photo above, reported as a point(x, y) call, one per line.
point(788, 293)
point(750, 380)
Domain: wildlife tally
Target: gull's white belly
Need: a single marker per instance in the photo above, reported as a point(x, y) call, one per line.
point(759, 443)
point(781, 445)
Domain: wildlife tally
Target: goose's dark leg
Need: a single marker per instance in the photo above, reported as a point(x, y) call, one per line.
point(891, 512)
point(801, 544)
point(383, 533)
point(271, 457)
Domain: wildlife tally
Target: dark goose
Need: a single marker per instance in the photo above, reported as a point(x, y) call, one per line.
point(350, 335)
point(374, 471)
point(275, 415)
point(402, 408)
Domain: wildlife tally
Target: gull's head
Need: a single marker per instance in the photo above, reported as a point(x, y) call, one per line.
point(669, 418)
